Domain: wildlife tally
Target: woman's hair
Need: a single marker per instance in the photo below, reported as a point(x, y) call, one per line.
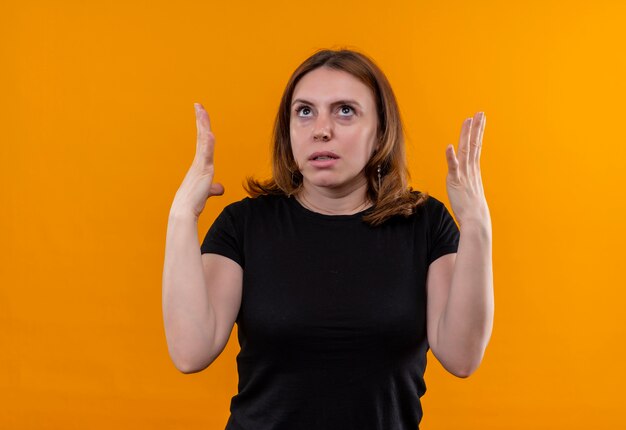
point(395, 196)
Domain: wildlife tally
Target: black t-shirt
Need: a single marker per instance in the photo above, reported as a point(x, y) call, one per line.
point(332, 324)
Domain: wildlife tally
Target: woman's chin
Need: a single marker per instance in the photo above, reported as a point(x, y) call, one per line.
point(330, 182)
point(324, 184)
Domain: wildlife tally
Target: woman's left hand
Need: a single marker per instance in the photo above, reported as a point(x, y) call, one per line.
point(464, 183)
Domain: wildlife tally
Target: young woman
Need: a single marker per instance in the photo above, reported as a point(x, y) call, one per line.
point(338, 275)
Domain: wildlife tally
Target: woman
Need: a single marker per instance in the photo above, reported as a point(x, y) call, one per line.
point(338, 275)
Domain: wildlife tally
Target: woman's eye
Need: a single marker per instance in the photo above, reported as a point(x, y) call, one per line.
point(346, 109)
point(305, 111)
point(301, 109)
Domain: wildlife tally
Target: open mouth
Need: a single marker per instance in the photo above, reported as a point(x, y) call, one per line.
point(323, 156)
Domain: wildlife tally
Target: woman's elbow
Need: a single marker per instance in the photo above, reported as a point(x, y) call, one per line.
point(463, 372)
point(188, 364)
point(462, 367)
point(187, 368)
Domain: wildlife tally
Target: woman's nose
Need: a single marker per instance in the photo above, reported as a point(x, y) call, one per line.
point(322, 129)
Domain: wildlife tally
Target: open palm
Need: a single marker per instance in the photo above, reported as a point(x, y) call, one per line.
point(464, 182)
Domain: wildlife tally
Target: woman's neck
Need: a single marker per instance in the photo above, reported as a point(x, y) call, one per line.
point(334, 202)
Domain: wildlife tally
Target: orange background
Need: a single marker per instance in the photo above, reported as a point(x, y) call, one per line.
point(97, 132)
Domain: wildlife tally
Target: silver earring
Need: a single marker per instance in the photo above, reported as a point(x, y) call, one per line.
point(379, 178)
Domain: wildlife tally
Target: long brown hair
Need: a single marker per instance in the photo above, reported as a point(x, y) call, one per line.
point(395, 196)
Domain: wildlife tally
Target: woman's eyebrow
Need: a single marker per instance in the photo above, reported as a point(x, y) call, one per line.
point(338, 102)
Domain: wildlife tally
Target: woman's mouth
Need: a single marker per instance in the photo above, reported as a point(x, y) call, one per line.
point(323, 159)
point(325, 155)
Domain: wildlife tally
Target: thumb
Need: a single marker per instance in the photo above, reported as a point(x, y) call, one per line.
point(453, 163)
point(216, 189)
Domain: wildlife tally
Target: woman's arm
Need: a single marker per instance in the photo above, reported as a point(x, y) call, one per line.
point(460, 286)
point(201, 293)
point(461, 302)
point(201, 297)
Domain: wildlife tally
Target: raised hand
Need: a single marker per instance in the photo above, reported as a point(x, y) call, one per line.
point(198, 184)
point(464, 183)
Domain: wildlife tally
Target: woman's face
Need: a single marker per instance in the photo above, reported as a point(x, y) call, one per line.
point(333, 128)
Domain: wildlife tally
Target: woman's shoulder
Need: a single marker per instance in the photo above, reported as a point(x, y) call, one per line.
point(258, 203)
point(429, 206)
point(429, 201)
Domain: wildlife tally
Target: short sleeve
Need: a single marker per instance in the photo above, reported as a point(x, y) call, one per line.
point(444, 233)
point(224, 238)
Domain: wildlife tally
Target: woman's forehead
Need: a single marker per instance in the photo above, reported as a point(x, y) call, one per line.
point(328, 86)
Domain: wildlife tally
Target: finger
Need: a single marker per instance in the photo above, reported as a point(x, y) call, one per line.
point(480, 140)
point(463, 156)
point(216, 189)
point(474, 140)
point(202, 116)
point(205, 139)
point(479, 179)
point(453, 164)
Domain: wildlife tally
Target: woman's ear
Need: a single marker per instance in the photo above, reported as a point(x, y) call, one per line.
point(376, 148)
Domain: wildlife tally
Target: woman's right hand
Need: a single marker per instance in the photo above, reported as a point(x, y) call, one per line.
point(198, 184)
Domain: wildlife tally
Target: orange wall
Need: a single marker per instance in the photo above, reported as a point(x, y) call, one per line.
point(97, 131)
